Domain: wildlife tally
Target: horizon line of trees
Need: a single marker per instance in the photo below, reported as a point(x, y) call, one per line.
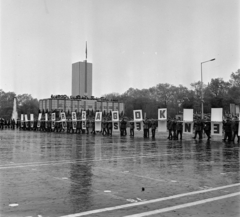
point(216, 94)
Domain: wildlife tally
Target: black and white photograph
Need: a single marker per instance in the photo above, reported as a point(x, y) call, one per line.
point(120, 108)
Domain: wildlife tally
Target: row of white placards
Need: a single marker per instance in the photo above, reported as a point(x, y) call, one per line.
point(216, 120)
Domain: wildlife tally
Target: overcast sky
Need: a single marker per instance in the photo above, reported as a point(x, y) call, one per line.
point(131, 43)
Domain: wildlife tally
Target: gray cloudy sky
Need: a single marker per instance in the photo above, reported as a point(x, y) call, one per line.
point(131, 43)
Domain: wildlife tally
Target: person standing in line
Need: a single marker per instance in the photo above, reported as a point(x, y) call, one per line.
point(179, 128)
point(207, 129)
point(87, 126)
point(228, 131)
point(235, 129)
point(174, 128)
point(131, 128)
point(109, 127)
point(169, 127)
point(153, 127)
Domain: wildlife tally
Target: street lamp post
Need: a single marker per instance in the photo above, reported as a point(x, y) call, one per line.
point(202, 84)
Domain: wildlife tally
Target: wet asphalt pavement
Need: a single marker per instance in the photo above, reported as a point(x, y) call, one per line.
point(56, 174)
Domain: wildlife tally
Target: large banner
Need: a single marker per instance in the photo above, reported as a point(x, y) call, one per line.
point(188, 121)
point(74, 120)
point(53, 117)
point(115, 121)
point(216, 121)
point(138, 118)
point(162, 120)
point(98, 121)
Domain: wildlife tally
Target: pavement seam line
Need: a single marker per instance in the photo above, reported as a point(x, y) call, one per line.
point(185, 205)
point(149, 201)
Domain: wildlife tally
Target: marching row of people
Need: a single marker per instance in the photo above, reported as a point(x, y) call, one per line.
point(174, 127)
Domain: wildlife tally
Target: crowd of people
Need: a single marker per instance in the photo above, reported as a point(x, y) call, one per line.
point(174, 127)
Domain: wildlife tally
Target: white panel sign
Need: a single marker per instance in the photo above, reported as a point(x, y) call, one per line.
point(162, 126)
point(216, 128)
point(138, 126)
point(53, 116)
point(31, 117)
point(63, 116)
point(39, 116)
point(116, 126)
point(98, 116)
point(216, 114)
point(74, 116)
point(26, 118)
point(162, 114)
point(115, 116)
point(188, 128)
point(84, 115)
point(137, 115)
point(187, 115)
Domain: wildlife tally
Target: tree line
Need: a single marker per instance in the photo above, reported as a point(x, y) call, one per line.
point(26, 104)
point(216, 94)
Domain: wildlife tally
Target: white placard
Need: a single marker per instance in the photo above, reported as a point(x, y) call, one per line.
point(84, 116)
point(162, 126)
point(53, 116)
point(188, 115)
point(188, 127)
point(98, 116)
point(216, 114)
point(63, 116)
point(237, 109)
point(74, 116)
point(22, 117)
point(26, 118)
point(115, 116)
point(74, 125)
point(216, 128)
point(162, 114)
point(31, 117)
point(39, 116)
point(98, 126)
point(239, 126)
point(137, 115)
point(116, 126)
point(138, 126)
point(84, 125)
point(46, 117)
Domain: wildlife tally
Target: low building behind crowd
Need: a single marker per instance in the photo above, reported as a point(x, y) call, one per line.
point(78, 104)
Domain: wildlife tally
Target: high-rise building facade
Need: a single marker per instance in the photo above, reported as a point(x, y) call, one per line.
point(82, 79)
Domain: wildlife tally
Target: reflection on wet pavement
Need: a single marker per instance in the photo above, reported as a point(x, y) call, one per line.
point(53, 174)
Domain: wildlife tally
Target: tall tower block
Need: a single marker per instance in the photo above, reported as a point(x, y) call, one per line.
point(82, 79)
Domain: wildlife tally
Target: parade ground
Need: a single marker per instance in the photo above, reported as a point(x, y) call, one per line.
point(59, 174)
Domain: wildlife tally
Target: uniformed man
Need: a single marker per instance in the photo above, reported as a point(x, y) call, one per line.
point(235, 129)
point(153, 126)
point(131, 126)
point(179, 128)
